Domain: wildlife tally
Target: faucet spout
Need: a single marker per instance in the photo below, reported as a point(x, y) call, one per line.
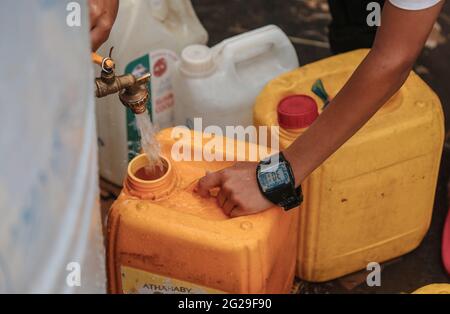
point(136, 96)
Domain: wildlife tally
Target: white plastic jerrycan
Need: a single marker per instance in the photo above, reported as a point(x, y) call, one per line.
point(220, 84)
point(148, 36)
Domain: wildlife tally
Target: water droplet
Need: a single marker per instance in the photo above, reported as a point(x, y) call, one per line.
point(246, 225)
point(141, 206)
point(421, 104)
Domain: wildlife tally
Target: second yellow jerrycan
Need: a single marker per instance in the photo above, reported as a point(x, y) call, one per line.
point(438, 288)
point(164, 238)
point(372, 200)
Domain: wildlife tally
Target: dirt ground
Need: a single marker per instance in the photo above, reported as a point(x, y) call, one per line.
point(305, 22)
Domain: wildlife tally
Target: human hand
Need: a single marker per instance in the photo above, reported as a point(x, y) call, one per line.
point(102, 14)
point(239, 191)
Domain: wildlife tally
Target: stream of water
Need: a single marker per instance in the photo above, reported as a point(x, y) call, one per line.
point(149, 143)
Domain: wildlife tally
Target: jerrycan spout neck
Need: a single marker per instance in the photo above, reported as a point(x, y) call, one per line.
point(150, 183)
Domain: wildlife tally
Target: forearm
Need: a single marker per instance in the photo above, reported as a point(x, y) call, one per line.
point(375, 81)
point(398, 43)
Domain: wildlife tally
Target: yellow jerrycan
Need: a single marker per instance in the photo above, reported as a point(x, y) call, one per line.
point(164, 238)
point(438, 288)
point(372, 200)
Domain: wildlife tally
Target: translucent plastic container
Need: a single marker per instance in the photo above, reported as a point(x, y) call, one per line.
point(147, 37)
point(164, 238)
point(372, 200)
point(50, 224)
point(220, 84)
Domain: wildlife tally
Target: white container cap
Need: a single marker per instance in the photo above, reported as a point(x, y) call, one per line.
point(197, 60)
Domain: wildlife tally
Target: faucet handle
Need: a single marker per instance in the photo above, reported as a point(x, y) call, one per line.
point(107, 63)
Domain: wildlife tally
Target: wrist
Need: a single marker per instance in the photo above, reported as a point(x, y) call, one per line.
point(296, 165)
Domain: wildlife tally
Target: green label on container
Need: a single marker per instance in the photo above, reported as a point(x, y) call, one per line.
point(138, 68)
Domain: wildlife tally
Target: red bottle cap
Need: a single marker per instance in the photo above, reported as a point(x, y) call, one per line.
point(297, 112)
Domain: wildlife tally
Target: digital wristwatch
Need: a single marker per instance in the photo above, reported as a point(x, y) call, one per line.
point(276, 182)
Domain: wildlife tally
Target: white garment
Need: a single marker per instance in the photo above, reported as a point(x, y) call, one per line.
point(414, 4)
point(50, 229)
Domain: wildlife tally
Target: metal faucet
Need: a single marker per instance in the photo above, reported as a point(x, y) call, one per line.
point(133, 91)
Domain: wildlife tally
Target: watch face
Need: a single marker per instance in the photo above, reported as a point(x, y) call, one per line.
point(274, 177)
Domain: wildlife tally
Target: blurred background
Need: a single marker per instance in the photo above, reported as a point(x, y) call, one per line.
point(306, 23)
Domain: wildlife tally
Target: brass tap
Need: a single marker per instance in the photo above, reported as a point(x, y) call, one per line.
point(132, 90)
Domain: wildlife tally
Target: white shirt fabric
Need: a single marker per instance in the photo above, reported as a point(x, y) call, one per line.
point(414, 4)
